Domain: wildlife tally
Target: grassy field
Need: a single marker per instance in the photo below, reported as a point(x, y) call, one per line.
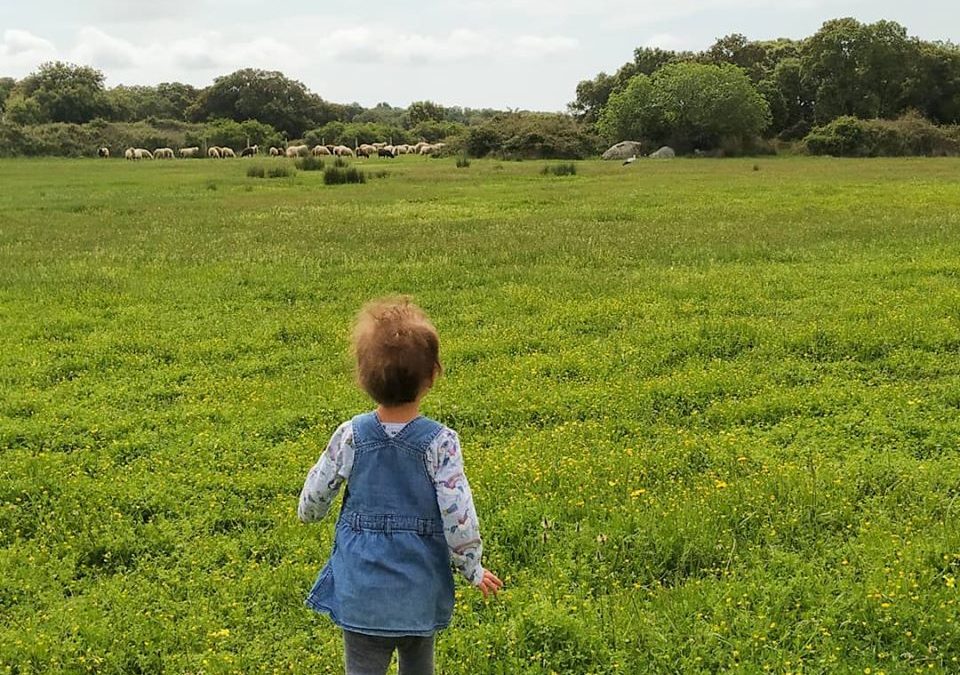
point(710, 409)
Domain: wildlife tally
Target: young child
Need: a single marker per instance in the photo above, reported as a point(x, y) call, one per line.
point(407, 510)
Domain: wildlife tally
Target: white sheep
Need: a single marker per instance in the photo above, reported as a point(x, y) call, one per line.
point(163, 153)
point(141, 153)
point(343, 151)
point(129, 154)
point(103, 152)
point(274, 152)
point(319, 150)
point(227, 152)
point(189, 152)
point(213, 152)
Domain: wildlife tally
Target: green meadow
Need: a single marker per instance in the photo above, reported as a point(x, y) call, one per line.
point(710, 409)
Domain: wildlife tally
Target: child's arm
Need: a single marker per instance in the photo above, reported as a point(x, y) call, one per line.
point(325, 478)
point(461, 527)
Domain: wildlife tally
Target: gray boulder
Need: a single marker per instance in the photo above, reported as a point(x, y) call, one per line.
point(666, 152)
point(623, 150)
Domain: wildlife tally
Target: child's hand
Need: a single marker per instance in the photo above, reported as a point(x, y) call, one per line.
point(490, 584)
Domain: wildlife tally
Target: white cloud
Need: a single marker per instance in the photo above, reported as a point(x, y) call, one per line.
point(366, 44)
point(22, 51)
point(535, 46)
point(96, 48)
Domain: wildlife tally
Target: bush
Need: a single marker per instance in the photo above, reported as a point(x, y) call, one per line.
point(310, 163)
point(339, 176)
point(82, 140)
point(909, 135)
point(560, 170)
point(282, 171)
point(463, 162)
point(340, 163)
point(531, 136)
point(256, 172)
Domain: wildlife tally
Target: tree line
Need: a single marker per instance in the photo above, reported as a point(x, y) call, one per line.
point(780, 88)
point(839, 91)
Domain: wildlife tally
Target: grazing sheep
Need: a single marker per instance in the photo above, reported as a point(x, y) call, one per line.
point(402, 149)
point(361, 152)
point(129, 153)
point(378, 145)
point(320, 150)
point(141, 153)
point(419, 146)
point(189, 152)
point(368, 148)
point(250, 151)
point(226, 152)
point(103, 152)
point(343, 151)
point(163, 153)
point(386, 151)
point(213, 152)
point(298, 151)
point(274, 152)
point(428, 149)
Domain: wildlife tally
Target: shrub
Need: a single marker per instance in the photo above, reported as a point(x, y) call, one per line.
point(569, 169)
point(909, 135)
point(310, 163)
point(463, 162)
point(282, 171)
point(256, 172)
point(339, 176)
point(340, 162)
point(531, 136)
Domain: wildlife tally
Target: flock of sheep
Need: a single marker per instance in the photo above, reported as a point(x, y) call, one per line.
point(218, 152)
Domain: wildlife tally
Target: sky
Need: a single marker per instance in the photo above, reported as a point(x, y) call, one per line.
point(525, 54)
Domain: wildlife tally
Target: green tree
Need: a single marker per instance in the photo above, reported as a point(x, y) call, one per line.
point(736, 49)
point(22, 110)
point(6, 86)
point(424, 111)
point(630, 114)
point(267, 96)
point(858, 69)
point(66, 93)
point(688, 105)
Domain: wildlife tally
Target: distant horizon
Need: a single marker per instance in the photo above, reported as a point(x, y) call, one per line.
point(526, 55)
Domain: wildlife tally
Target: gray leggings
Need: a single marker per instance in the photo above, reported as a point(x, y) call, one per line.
point(371, 654)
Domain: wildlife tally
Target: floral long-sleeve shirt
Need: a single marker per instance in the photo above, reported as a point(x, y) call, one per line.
point(461, 527)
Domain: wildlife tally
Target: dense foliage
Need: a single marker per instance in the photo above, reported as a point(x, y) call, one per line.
point(847, 68)
point(909, 135)
point(688, 105)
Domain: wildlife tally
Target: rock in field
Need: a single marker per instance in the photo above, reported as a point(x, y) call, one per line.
point(623, 150)
point(666, 152)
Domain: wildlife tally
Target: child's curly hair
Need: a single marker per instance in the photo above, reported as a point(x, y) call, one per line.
point(397, 350)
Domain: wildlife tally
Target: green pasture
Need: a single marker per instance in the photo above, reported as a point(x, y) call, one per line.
point(710, 409)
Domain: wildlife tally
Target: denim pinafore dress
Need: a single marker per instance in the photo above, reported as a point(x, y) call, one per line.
point(389, 572)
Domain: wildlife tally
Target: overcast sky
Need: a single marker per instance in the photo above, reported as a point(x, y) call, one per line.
point(479, 53)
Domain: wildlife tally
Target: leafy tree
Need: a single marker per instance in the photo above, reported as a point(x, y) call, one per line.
point(66, 93)
point(22, 110)
point(689, 105)
point(424, 111)
point(593, 94)
point(790, 104)
point(267, 96)
point(6, 86)
point(736, 49)
point(858, 69)
point(630, 114)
